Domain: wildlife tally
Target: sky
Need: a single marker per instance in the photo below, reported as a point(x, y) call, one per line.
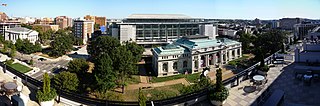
point(217, 9)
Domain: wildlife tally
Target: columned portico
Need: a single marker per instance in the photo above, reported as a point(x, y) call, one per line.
point(207, 60)
point(198, 53)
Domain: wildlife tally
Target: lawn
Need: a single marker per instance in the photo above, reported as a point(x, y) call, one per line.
point(19, 67)
point(134, 79)
point(157, 93)
point(190, 77)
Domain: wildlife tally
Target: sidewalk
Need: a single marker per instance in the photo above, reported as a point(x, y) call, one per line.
point(242, 95)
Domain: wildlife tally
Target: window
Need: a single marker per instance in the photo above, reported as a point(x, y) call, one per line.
point(175, 65)
point(196, 64)
point(185, 64)
point(165, 67)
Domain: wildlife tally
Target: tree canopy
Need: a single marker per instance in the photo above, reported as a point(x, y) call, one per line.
point(104, 74)
point(268, 43)
point(103, 45)
point(60, 45)
point(66, 80)
point(78, 66)
point(123, 57)
point(25, 46)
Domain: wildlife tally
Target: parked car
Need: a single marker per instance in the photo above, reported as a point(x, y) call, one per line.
point(42, 59)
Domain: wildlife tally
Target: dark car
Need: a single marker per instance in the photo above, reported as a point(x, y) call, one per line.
point(42, 59)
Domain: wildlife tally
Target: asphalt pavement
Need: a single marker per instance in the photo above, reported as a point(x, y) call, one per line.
point(48, 65)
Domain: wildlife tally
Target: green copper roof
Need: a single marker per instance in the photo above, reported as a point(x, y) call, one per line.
point(183, 45)
point(170, 49)
point(204, 43)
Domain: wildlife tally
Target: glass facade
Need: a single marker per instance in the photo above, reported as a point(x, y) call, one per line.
point(164, 32)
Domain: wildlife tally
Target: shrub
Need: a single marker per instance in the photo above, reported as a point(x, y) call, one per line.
point(219, 93)
point(264, 68)
point(31, 62)
point(9, 62)
point(47, 93)
point(142, 98)
point(219, 96)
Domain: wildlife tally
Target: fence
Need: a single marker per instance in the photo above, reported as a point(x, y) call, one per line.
point(170, 101)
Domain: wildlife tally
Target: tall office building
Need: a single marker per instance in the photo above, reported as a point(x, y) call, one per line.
point(83, 29)
point(159, 29)
point(63, 22)
point(288, 23)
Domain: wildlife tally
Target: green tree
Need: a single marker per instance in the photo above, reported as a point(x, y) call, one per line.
point(246, 40)
point(9, 62)
point(45, 36)
point(142, 98)
point(124, 65)
point(96, 26)
point(1, 39)
point(60, 45)
point(220, 93)
point(31, 62)
point(79, 66)
point(47, 93)
point(135, 49)
point(103, 45)
point(219, 85)
point(268, 43)
point(66, 80)
point(13, 51)
point(104, 74)
point(26, 26)
point(19, 44)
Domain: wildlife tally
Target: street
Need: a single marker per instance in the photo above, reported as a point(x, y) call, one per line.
point(50, 65)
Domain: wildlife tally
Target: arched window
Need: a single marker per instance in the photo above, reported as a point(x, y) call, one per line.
point(185, 64)
point(165, 67)
point(233, 53)
point(175, 65)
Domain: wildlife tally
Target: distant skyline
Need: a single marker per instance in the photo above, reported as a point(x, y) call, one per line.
point(216, 9)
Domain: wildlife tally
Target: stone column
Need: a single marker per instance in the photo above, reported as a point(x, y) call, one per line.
point(214, 58)
point(207, 60)
point(199, 61)
point(221, 58)
point(230, 55)
point(240, 49)
point(236, 53)
point(192, 64)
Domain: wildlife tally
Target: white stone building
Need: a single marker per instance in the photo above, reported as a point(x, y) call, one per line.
point(16, 33)
point(193, 53)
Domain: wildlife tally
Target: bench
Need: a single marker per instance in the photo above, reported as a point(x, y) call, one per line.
point(275, 99)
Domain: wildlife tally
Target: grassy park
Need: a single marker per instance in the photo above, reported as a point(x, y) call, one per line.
point(19, 67)
point(190, 77)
